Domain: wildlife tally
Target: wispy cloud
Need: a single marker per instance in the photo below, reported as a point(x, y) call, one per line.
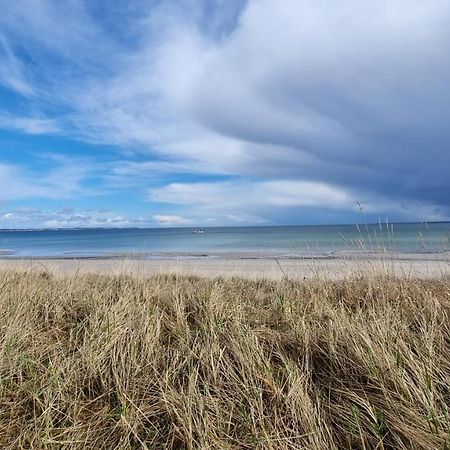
point(29, 125)
point(63, 181)
point(12, 74)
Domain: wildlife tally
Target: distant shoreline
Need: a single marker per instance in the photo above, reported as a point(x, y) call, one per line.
point(362, 225)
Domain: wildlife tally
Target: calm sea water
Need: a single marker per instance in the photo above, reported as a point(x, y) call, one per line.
point(285, 240)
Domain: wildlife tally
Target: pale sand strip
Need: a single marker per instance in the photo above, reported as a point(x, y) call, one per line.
point(248, 268)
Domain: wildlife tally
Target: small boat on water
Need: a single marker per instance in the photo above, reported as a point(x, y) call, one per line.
point(198, 231)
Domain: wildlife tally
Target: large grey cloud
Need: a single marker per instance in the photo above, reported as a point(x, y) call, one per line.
point(360, 91)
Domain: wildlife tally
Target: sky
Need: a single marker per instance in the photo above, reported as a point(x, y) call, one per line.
point(149, 113)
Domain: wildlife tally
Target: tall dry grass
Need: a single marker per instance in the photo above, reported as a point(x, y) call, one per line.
point(111, 362)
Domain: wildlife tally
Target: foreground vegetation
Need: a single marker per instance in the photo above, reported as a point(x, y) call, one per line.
point(114, 362)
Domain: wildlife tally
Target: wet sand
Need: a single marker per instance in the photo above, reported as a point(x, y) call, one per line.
point(415, 266)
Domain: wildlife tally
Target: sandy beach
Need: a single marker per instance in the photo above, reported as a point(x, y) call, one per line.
point(413, 265)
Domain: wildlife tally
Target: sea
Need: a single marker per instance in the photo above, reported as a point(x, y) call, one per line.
point(214, 242)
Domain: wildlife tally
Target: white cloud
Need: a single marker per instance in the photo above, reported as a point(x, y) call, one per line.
point(253, 202)
point(249, 202)
point(68, 218)
point(83, 218)
point(171, 220)
point(243, 194)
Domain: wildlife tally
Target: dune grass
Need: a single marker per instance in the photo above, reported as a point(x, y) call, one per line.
point(113, 362)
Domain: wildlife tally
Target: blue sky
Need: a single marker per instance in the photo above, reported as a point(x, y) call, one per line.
point(223, 112)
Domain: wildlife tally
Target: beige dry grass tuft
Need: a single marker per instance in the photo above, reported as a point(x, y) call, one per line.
point(112, 362)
